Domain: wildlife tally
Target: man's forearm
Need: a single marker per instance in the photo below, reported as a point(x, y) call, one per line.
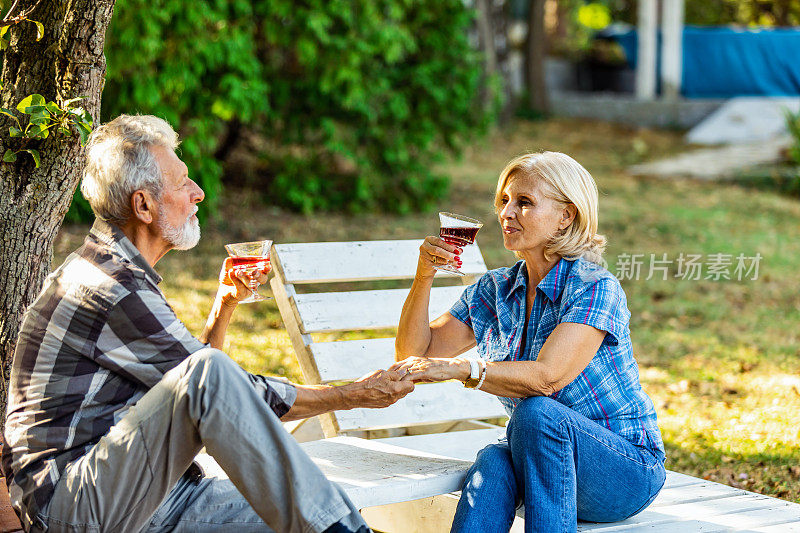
point(313, 400)
point(218, 320)
point(379, 389)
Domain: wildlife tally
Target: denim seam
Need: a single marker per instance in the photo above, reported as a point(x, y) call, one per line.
point(564, 444)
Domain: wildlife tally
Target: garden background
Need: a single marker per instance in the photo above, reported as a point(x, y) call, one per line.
point(333, 120)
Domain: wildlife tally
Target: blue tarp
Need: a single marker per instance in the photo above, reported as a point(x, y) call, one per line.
point(727, 62)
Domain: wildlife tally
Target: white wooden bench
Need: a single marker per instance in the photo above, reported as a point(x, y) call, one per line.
point(403, 483)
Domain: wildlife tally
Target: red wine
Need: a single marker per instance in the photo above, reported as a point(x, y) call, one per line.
point(459, 236)
point(249, 262)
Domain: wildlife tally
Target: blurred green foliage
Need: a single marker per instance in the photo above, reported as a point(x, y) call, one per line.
point(352, 101)
point(706, 12)
point(578, 20)
point(793, 126)
point(743, 12)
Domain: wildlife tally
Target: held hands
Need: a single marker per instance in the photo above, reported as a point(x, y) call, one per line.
point(235, 282)
point(434, 251)
point(431, 369)
point(379, 389)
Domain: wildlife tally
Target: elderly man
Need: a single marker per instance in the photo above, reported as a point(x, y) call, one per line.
point(111, 397)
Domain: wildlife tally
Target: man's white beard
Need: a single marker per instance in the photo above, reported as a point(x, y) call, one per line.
point(182, 237)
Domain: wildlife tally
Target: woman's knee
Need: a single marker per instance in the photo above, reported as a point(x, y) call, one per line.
point(492, 469)
point(495, 457)
point(537, 414)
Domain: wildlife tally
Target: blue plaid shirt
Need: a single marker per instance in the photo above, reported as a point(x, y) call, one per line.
point(608, 390)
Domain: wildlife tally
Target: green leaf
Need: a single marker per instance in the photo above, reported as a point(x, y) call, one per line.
point(72, 101)
point(35, 155)
point(3, 41)
point(29, 101)
point(35, 110)
point(9, 156)
point(39, 32)
point(40, 119)
point(8, 112)
point(84, 132)
point(14, 132)
point(37, 131)
point(53, 108)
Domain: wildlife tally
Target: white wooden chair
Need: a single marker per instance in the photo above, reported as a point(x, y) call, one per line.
point(402, 483)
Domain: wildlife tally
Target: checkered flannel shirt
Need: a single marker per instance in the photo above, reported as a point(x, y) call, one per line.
point(608, 390)
point(97, 338)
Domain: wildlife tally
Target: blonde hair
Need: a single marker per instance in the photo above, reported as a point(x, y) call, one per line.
point(119, 162)
point(564, 180)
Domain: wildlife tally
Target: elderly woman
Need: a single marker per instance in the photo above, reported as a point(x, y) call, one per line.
point(554, 344)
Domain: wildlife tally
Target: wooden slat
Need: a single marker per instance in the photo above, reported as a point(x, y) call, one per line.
point(463, 445)
point(284, 293)
point(322, 262)
point(777, 528)
point(428, 404)
point(708, 490)
point(780, 513)
point(708, 521)
point(676, 479)
point(360, 310)
point(695, 511)
point(679, 517)
point(374, 473)
point(349, 360)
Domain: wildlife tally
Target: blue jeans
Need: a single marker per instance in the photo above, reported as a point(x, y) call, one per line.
point(562, 467)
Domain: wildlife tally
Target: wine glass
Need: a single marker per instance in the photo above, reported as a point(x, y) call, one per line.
point(251, 257)
point(457, 230)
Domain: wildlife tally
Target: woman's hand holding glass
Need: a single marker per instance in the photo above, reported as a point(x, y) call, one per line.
point(435, 252)
point(235, 283)
point(432, 369)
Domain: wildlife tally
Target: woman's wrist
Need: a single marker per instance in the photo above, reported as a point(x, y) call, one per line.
point(461, 369)
point(425, 275)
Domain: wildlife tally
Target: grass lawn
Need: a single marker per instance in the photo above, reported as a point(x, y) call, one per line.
point(720, 358)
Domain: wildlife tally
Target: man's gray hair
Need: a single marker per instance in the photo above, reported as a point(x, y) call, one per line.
point(119, 162)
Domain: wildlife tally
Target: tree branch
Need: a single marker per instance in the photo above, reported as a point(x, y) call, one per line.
point(22, 16)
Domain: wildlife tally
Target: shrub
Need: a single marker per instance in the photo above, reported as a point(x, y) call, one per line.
point(354, 101)
point(793, 126)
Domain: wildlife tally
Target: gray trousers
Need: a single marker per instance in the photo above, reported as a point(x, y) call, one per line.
point(133, 479)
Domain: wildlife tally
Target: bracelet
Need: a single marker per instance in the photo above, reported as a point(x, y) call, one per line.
point(483, 375)
point(474, 372)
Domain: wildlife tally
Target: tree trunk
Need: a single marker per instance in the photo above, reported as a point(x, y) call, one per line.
point(486, 32)
point(534, 63)
point(68, 62)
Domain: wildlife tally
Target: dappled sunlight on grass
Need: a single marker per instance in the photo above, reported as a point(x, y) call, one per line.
point(720, 359)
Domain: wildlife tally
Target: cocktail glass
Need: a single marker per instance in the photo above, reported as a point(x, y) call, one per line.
point(457, 230)
point(251, 257)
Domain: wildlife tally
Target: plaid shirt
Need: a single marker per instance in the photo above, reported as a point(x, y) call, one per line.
point(608, 390)
point(97, 338)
